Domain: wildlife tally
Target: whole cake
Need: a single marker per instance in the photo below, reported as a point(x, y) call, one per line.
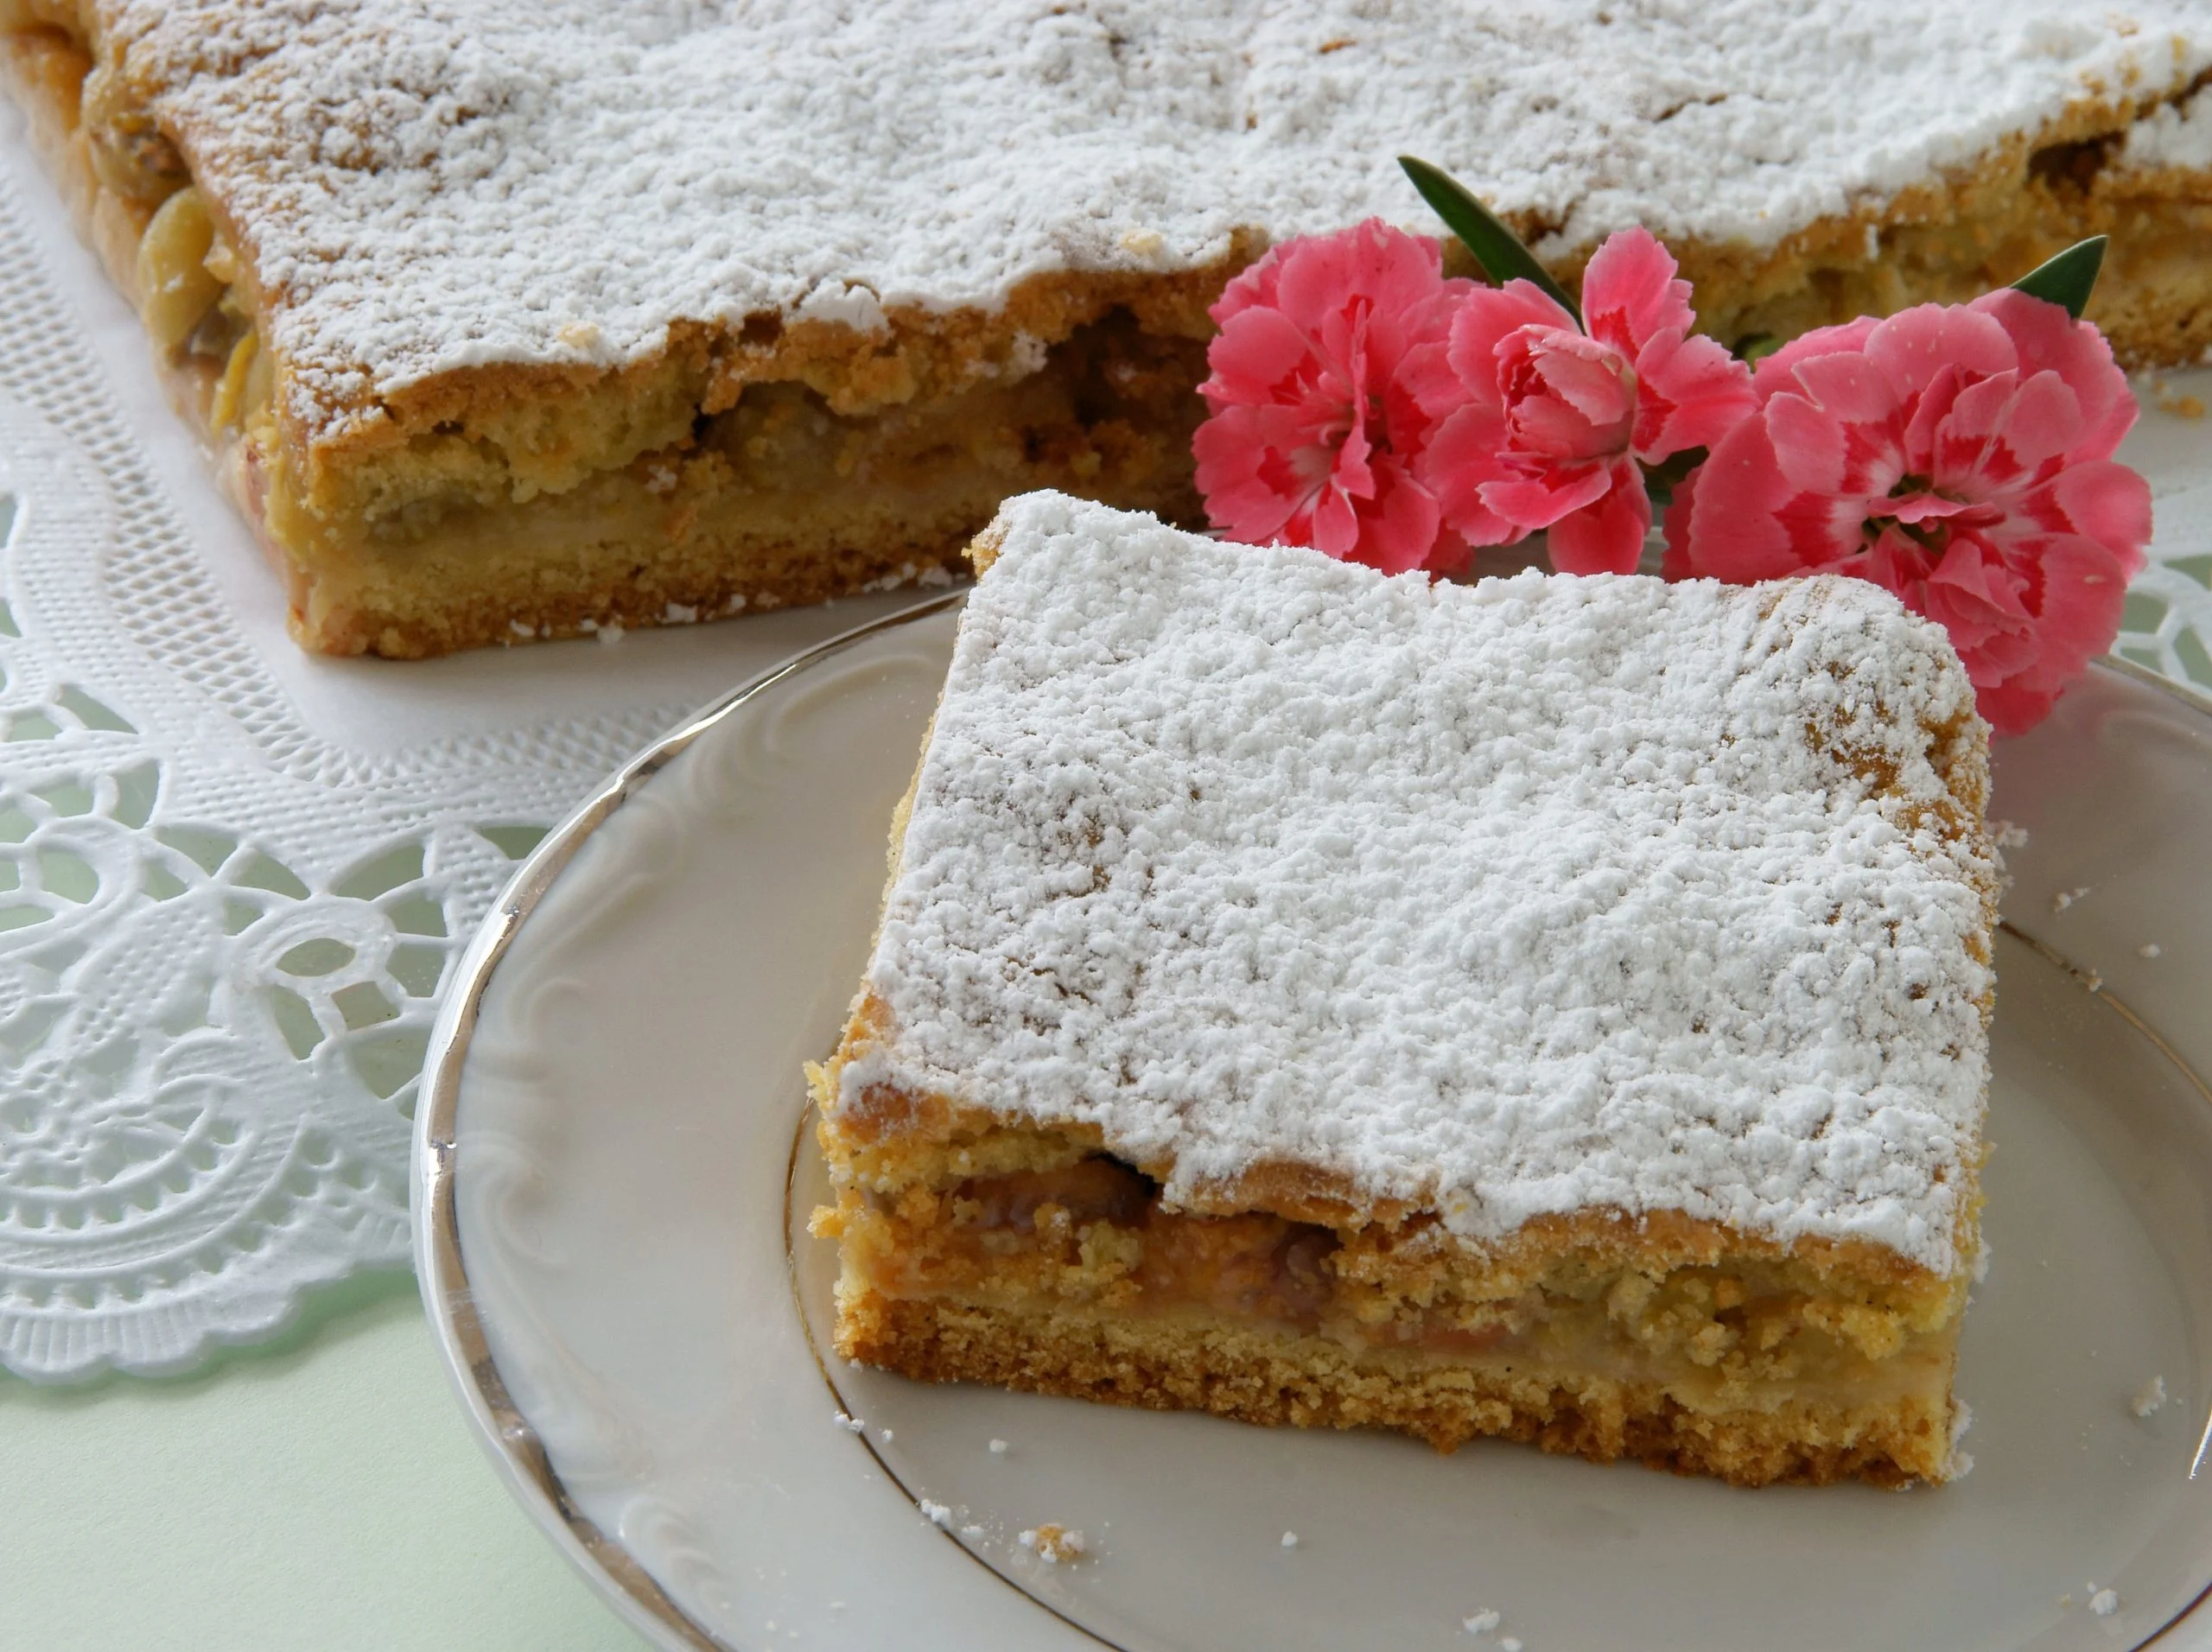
point(513, 318)
point(1550, 1007)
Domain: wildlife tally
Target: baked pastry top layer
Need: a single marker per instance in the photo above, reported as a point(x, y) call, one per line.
point(562, 185)
point(1531, 899)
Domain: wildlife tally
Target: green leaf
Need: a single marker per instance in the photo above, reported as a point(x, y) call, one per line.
point(1755, 347)
point(1496, 248)
point(2068, 279)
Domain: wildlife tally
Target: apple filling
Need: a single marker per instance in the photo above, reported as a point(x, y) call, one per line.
point(1750, 1331)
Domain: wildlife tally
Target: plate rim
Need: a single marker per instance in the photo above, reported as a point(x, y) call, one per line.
point(504, 1433)
point(501, 1431)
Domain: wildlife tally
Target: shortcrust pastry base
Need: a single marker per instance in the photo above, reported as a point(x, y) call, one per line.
point(1260, 1377)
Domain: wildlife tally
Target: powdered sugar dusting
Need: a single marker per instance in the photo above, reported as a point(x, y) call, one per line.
point(2176, 134)
point(427, 186)
point(1521, 897)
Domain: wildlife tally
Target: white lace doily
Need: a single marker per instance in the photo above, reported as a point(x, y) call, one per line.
point(232, 878)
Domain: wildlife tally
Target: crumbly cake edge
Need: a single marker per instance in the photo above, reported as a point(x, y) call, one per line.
point(1254, 1376)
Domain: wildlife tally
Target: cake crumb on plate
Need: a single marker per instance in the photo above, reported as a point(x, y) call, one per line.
point(1053, 1544)
point(2148, 1398)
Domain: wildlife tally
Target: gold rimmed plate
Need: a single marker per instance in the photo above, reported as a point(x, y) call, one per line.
point(610, 1223)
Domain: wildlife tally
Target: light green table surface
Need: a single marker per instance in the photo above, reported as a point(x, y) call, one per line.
point(318, 1493)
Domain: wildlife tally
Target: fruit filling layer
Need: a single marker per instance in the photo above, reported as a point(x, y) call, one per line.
point(1747, 1331)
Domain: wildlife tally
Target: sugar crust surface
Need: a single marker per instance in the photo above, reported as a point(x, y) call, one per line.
point(433, 186)
point(1523, 897)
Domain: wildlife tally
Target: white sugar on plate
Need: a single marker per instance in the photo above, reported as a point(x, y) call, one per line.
point(1523, 897)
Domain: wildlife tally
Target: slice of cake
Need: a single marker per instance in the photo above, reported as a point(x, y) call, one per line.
point(1545, 1008)
point(509, 320)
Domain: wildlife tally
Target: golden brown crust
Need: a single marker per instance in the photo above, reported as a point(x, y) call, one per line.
point(1255, 1377)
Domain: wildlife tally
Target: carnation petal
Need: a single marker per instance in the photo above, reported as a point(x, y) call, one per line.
point(1812, 448)
point(1373, 263)
point(1690, 392)
point(1424, 379)
point(1607, 536)
point(1462, 454)
point(1630, 293)
point(1971, 571)
point(1539, 499)
point(1910, 348)
point(2034, 422)
point(1254, 356)
point(1933, 445)
point(1679, 563)
point(2048, 339)
point(1336, 524)
point(1488, 314)
point(2104, 501)
point(1850, 389)
point(1584, 374)
point(1733, 527)
point(1777, 372)
point(1401, 535)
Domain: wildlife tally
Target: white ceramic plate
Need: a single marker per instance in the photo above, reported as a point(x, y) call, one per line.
point(611, 1212)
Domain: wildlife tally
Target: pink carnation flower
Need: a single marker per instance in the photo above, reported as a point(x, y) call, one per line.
point(1542, 423)
point(1960, 457)
point(1315, 431)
